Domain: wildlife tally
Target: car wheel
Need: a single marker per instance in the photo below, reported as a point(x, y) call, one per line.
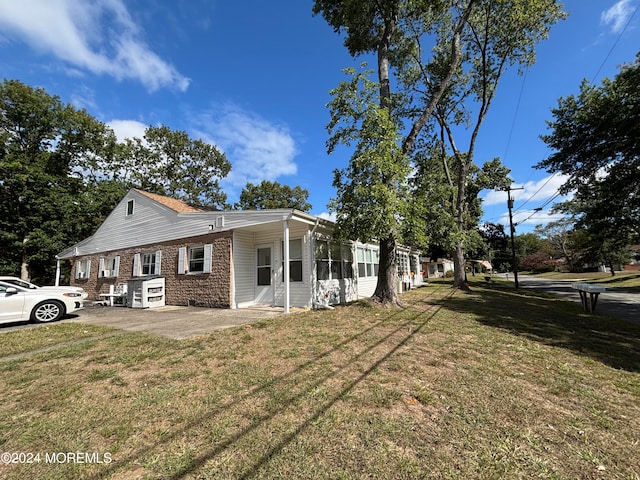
point(48, 311)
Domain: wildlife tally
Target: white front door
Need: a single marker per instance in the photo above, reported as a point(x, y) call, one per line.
point(264, 275)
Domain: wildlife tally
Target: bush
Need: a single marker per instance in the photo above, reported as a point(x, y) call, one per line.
point(538, 262)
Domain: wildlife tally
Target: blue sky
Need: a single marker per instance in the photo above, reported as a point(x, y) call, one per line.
point(253, 78)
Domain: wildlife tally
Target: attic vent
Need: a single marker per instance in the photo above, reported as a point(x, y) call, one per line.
point(219, 222)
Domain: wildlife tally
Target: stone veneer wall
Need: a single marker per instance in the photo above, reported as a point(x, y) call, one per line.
point(206, 290)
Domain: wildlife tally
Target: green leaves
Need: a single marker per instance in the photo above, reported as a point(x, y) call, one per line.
point(62, 172)
point(273, 195)
point(595, 138)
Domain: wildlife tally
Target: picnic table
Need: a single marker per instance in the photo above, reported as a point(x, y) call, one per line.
point(593, 291)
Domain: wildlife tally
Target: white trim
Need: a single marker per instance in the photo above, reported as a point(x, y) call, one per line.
point(287, 286)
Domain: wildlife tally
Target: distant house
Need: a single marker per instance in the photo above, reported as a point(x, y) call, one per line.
point(228, 259)
point(436, 268)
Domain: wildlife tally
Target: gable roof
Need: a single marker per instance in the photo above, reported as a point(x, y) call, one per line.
point(158, 219)
point(172, 203)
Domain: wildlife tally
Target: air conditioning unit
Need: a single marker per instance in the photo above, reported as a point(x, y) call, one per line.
point(82, 275)
point(106, 273)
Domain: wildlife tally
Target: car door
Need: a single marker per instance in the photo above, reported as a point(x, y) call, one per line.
point(11, 304)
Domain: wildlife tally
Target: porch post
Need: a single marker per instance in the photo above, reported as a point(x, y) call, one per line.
point(286, 267)
point(57, 272)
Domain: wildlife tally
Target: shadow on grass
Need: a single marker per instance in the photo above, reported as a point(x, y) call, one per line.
point(547, 319)
point(408, 323)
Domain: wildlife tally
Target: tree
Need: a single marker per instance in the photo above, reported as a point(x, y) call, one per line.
point(273, 195)
point(594, 136)
point(46, 147)
point(171, 163)
point(371, 191)
point(561, 236)
point(497, 35)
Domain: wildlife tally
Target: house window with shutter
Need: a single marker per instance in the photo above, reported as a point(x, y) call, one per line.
point(146, 263)
point(109, 267)
point(196, 259)
point(83, 269)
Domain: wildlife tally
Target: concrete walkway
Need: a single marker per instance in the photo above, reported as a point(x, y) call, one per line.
point(619, 303)
point(171, 321)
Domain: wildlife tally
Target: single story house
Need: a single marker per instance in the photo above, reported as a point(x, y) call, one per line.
point(436, 268)
point(228, 259)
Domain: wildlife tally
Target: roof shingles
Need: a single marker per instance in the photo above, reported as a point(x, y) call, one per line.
point(172, 203)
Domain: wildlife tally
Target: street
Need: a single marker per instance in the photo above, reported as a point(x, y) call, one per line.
point(623, 304)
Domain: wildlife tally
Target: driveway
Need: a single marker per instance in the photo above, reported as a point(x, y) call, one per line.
point(619, 303)
point(171, 321)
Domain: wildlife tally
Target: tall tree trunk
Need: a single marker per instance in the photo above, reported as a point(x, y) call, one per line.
point(459, 274)
point(386, 288)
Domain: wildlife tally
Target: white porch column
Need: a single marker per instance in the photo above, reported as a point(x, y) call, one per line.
point(287, 293)
point(57, 284)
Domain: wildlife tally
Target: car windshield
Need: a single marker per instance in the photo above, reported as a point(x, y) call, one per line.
point(20, 283)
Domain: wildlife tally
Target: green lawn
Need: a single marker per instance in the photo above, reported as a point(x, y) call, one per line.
point(495, 383)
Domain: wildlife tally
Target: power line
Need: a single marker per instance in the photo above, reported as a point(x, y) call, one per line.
point(615, 43)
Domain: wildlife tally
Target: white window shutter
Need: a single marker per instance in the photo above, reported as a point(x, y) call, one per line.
point(182, 256)
point(208, 248)
point(88, 269)
point(116, 266)
point(101, 267)
point(158, 261)
point(78, 262)
point(136, 265)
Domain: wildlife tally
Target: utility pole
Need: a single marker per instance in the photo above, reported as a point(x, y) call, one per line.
point(513, 230)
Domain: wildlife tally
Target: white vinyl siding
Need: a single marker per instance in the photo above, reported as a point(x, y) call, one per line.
point(244, 268)
point(195, 259)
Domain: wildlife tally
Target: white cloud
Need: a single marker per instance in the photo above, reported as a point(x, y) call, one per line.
point(99, 37)
point(127, 129)
point(257, 149)
point(617, 16)
point(532, 192)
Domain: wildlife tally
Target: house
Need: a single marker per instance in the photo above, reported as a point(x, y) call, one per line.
point(436, 268)
point(228, 259)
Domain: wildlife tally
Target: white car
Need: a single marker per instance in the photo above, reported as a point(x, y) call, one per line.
point(19, 304)
point(32, 286)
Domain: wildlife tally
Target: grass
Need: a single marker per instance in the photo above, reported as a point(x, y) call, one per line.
point(495, 383)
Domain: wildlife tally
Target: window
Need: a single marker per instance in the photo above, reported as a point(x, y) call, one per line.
point(336, 261)
point(195, 259)
point(347, 261)
point(368, 262)
point(147, 263)
point(129, 208)
point(295, 260)
point(83, 269)
point(402, 263)
point(333, 260)
point(109, 267)
point(322, 259)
